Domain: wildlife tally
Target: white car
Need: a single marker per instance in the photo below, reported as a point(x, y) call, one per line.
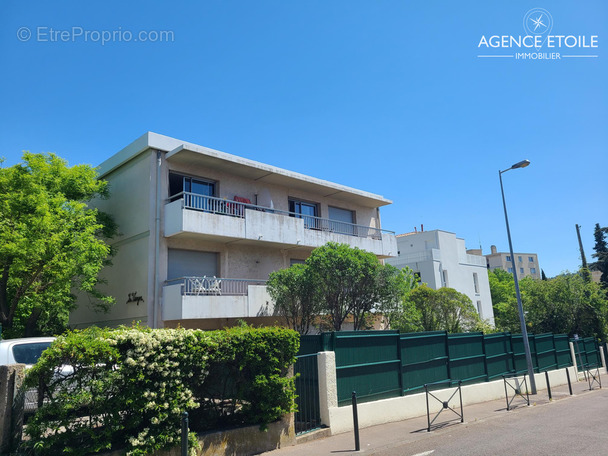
point(25, 351)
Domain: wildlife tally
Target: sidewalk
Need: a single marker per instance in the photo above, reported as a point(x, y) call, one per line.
point(389, 435)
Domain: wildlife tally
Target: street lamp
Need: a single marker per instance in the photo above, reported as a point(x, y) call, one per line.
point(522, 318)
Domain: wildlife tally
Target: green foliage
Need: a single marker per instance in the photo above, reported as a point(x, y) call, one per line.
point(601, 253)
point(336, 282)
point(127, 388)
point(397, 309)
point(445, 310)
point(50, 243)
point(295, 296)
point(564, 304)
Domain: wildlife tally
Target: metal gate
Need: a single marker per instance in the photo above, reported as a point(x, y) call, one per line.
point(308, 415)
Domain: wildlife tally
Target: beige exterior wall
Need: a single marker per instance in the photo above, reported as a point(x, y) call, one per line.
point(525, 267)
point(130, 203)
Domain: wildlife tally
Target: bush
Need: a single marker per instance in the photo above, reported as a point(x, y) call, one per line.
point(127, 388)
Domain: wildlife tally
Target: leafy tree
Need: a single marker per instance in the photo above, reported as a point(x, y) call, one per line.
point(445, 309)
point(50, 243)
point(295, 296)
point(398, 310)
point(563, 304)
point(336, 282)
point(566, 304)
point(347, 281)
point(601, 253)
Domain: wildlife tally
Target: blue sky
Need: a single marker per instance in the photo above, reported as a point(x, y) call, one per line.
point(387, 96)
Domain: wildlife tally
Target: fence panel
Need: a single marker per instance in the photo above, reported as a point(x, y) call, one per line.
point(499, 354)
point(545, 352)
point(519, 354)
point(367, 362)
point(424, 358)
point(467, 357)
point(310, 344)
point(562, 350)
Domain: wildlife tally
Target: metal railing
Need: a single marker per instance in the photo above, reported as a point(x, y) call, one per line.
point(223, 206)
point(214, 286)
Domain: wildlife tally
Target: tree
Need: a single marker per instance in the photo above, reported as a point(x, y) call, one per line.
point(563, 304)
point(50, 243)
point(295, 296)
point(398, 310)
point(445, 309)
point(601, 253)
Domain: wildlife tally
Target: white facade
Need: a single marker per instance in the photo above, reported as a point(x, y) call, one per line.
point(201, 230)
point(442, 261)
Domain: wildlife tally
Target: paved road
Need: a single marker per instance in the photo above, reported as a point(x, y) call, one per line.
point(566, 427)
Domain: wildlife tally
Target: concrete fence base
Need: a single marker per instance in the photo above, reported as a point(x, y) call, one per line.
point(11, 415)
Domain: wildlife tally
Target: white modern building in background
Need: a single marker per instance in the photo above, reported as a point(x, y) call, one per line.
point(441, 260)
point(201, 230)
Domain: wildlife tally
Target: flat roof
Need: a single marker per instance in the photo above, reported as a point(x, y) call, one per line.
point(183, 152)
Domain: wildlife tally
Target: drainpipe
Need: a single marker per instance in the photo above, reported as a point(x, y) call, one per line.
point(155, 304)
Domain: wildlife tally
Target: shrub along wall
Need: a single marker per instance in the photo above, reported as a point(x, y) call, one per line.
point(127, 388)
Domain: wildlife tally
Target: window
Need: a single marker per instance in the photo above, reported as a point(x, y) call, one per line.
point(306, 211)
point(341, 221)
point(532, 270)
point(531, 259)
point(510, 270)
point(519, 259)
point(521, 270)
point(508, 257)
point(445, 278)
point(479, 309)
point(193, 190)
point(476, 282)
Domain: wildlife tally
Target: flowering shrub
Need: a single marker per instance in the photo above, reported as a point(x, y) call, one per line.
point(126, 388)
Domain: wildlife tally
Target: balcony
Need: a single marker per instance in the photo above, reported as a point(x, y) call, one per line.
point(214, 297)
point(419, 257)
point(474, 260)
point(224, 221)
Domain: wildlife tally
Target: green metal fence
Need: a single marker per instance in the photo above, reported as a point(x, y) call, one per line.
point(382, 364)
point(587, 352)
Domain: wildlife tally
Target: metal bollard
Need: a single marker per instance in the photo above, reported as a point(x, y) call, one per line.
point(184, 433)
point(356, 421)
point(569, 383)
point(548, 385)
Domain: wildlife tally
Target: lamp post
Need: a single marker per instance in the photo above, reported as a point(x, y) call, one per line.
point(522, 318)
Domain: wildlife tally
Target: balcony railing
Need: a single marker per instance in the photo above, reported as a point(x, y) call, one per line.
point(223, 206)
point(214, 286)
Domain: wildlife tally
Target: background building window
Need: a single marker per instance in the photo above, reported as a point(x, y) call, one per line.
point(532, 270)
point(508, 257)
point(521, 270)
point(510, 270)
point(519, 259)
point(531, 259)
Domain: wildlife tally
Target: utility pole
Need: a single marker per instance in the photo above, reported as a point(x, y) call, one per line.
point(585, 270)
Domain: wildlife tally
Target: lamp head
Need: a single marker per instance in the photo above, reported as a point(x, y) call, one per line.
point(521, 164)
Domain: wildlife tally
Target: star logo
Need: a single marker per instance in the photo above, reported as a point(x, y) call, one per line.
point(538, 22)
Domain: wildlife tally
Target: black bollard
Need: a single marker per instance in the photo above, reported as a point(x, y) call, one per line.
point(569, 384)
point(548, 385)
point(356, 422)
point(184, 433)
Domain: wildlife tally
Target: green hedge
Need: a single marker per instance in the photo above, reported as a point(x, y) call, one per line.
point(129, 386)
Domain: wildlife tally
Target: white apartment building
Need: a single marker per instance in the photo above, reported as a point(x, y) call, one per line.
point(201, 230)
point(526, 263)
point(441, 260)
